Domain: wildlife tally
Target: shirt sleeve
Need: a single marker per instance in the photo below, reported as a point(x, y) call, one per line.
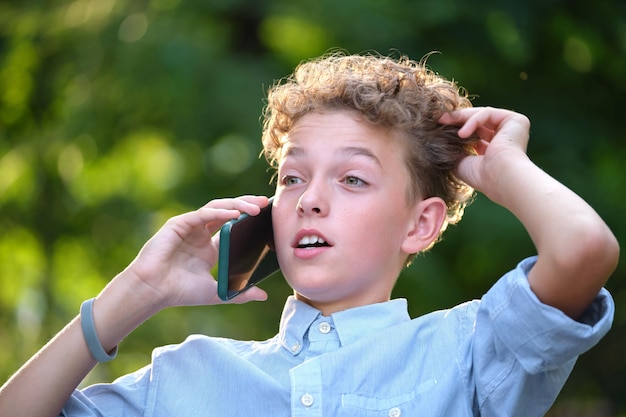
point(540, 336)
point(126, 396)
point(524, 350)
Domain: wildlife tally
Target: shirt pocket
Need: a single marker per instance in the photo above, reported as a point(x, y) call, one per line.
point(391, 406)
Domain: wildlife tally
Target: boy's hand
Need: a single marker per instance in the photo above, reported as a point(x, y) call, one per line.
point(576, 250)
point(174, 266)
point(503, 137)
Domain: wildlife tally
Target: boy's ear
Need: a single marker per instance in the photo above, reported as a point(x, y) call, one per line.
point(428, 220)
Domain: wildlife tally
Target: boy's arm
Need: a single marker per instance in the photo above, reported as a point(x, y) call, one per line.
point(576, 250)
point(172, 269)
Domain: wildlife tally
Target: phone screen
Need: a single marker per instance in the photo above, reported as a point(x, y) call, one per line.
point(246, 254)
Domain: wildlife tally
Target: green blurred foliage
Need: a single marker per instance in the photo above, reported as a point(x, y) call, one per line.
point(115, 116)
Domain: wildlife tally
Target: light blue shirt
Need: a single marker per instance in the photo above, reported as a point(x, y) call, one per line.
point(506, 355)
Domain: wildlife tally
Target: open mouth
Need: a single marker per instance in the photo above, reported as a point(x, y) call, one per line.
point(311, 242)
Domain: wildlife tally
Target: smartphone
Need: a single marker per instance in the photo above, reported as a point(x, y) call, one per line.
point(246, 253)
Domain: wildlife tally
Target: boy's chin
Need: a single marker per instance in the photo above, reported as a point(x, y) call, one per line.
point(314, 293)
point(310, 278)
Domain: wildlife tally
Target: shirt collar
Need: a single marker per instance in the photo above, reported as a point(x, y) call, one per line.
point(350, 324)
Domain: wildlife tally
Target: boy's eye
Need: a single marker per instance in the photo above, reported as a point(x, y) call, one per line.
point(290, 180)
point(354, 181)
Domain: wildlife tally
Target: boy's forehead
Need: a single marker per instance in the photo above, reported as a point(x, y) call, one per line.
point(341, 135)
point(342, 150)
point(343, 126)
point(346, 127)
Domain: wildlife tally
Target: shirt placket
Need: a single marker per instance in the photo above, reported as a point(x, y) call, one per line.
point(306, 379)
point(306, 389)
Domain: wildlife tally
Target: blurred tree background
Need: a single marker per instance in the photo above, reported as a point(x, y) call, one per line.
point(117, 115)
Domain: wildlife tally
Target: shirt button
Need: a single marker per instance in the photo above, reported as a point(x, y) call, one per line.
point(295, 347)
point(395, 412)
point(324, 327)
point(307, 400)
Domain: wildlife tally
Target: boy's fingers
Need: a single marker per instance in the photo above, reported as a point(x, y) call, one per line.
point(456, 116)
point(205, 217)
point(246, 204)
point(466, 118)
point(217, 212)
point(467, 169)
point(251, 294)
point(488, 122)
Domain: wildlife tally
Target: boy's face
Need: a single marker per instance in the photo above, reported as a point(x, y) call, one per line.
point(341, 214)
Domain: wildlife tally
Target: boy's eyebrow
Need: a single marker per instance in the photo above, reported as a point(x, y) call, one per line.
point(360, 151)
point(295, 151)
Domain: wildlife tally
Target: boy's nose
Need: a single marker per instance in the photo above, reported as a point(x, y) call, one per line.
point(316, 210)
point(312, 202)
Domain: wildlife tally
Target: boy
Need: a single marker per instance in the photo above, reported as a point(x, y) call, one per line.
point(374, 158)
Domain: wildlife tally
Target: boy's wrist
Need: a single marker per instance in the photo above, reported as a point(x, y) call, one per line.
point(133, 288)
point(122, 306)
point(91, 335)
point(504, 177)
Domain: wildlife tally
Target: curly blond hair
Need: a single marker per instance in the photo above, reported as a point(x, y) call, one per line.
point(399, 94)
